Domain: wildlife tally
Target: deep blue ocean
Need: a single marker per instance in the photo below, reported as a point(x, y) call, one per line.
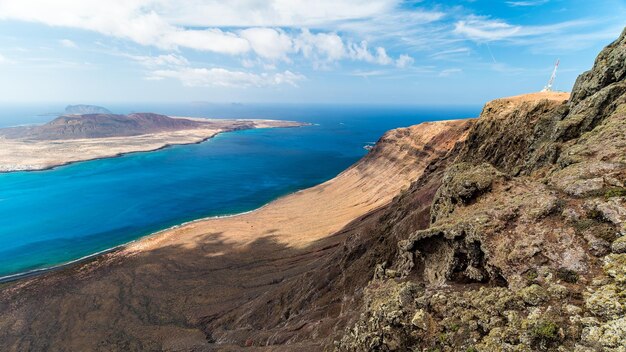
point(52, 217)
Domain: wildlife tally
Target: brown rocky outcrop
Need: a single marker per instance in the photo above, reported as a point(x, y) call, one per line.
point(517, 254)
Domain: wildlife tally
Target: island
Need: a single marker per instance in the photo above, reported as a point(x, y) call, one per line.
point(72, 138)
point(82, 109)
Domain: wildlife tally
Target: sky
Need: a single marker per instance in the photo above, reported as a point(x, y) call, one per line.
point(296, 51)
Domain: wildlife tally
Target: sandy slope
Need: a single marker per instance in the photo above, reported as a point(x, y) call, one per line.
point(308, 215)
point(557, 96)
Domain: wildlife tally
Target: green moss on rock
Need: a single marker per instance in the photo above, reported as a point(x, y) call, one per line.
point(606, 301)
point(615, 267)
point(533, 295)
point(544, 334)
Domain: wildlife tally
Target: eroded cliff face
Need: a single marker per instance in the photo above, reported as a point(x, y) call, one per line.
point(525, 249)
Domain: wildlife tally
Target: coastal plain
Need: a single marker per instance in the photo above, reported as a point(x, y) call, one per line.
point(29, 154)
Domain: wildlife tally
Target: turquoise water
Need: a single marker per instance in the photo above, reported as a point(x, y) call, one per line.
point(55, 216)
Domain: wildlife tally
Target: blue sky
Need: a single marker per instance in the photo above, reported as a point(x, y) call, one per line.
point(325, 51)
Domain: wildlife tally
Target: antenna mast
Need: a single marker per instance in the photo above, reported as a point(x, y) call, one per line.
point(548, 87)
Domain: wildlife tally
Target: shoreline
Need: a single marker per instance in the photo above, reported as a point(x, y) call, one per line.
point(40, 271)
point(118, 155)
point(145, 239)
point(166, 144)
point(35, 272)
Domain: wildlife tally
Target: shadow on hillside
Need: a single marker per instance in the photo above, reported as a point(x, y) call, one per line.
point(175, 295)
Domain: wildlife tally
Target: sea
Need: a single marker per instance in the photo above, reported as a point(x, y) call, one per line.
point(53, 217)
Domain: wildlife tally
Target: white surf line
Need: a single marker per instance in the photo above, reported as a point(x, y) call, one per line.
point(34, 272)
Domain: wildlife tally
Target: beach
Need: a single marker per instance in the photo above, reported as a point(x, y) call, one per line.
point(30, 155)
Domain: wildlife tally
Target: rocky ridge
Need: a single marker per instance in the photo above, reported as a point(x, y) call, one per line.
point(525, 249)
point(515, 240)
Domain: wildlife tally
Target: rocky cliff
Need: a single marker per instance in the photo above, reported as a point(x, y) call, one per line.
point(525, 249)
point(510, 237)
point(515, 240)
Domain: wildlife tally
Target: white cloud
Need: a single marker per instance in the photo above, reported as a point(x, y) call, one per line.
point(404, 61)
point(201, 25)
point(168, 60)
point(166, 23)
point(450, 53)
point(212, 39)
point(220, 77)
point(527, 3)
point(269, 43)
point(361, 52)
point(481, 29)
point(68, 43)
point(367, 74)
point(135, 20)
point(271, 13)
point(396, 24)
point(6, 60)
point(449, 72)
point(322, 48)
point(175, 66)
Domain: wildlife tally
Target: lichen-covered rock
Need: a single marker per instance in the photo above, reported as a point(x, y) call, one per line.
point(517, 253)
point(606, 302)
point(615, 267)
point(597, 246)
point(619, 245)
point(572, 309)
point(387, 320)
point(503, 339)
point(533, 295)
point(608, 68)
point(582, 178)
point(610, 335)
point(544, 333)
point(462, 183)
point(503, 136)
point(613, 210)
point(558, 291)
point(421, 319)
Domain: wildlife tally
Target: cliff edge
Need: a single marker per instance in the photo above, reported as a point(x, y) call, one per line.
point(525, 249)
